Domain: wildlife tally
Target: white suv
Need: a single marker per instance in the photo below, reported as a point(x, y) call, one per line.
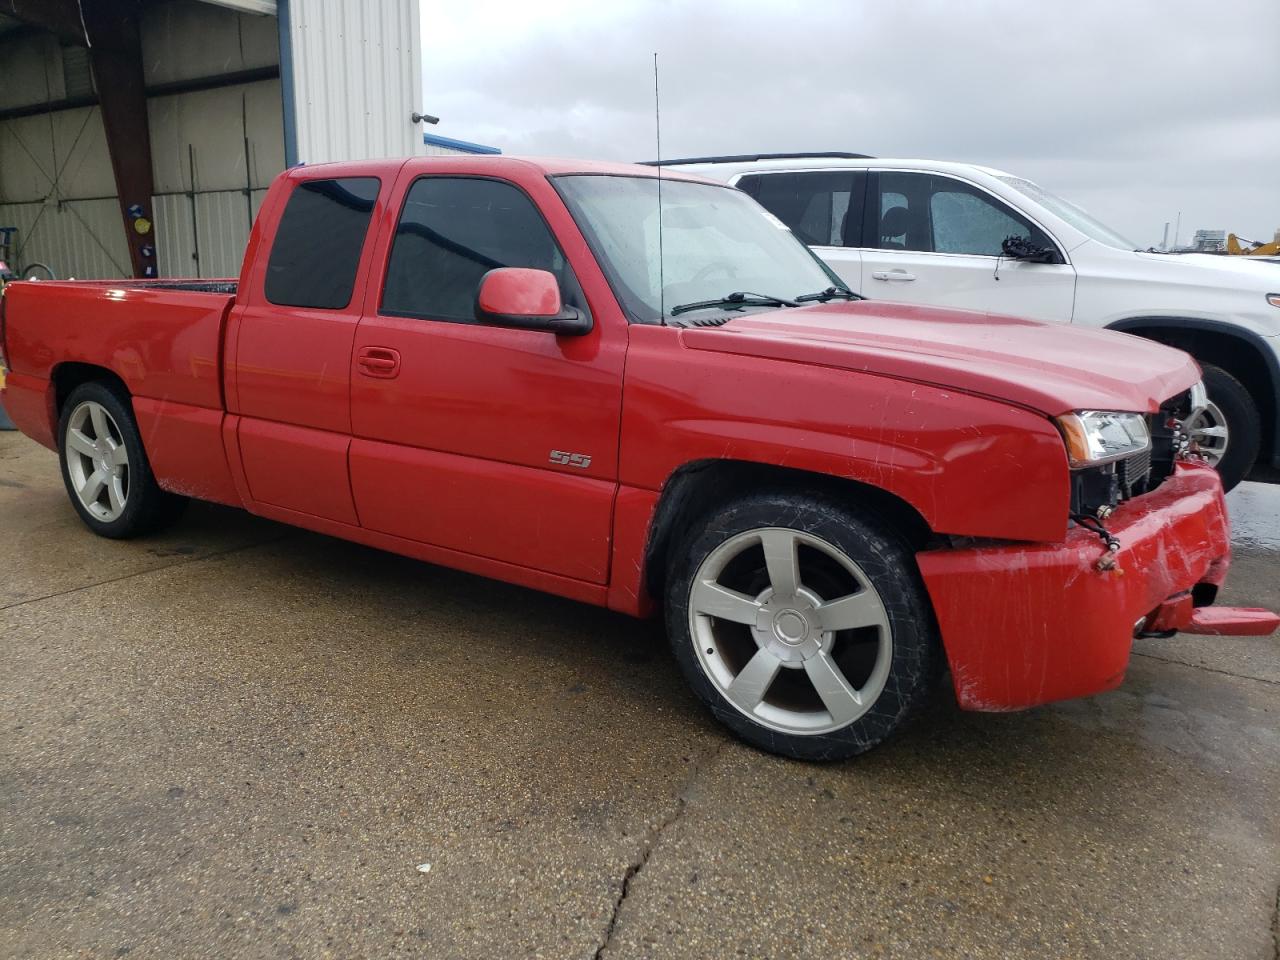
point(959, 235)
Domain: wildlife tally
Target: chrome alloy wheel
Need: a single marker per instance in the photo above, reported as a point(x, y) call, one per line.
point(97, 461)
point(1207, 428)
point(790, 630)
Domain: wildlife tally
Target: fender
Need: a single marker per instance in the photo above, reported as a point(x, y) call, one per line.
point(1003, 467)
point(1223, 329)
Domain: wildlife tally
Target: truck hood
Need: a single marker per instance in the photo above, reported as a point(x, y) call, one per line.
point(1048, 367)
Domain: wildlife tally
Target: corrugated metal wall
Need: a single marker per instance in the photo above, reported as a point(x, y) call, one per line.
point(436, 150)
point(357, 78)
point(357, 82)
point(214, 152)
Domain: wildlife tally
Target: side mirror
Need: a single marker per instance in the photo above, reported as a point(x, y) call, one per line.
point(527, 300)
point(1022, 248)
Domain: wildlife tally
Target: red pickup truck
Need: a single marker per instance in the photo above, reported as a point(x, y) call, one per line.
point(531, 370)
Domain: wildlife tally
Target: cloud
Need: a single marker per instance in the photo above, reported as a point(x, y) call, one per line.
point(1135, 110)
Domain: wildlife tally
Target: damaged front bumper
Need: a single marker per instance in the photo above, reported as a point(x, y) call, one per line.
point(1025, 624)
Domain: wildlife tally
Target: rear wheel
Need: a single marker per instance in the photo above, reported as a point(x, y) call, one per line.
point(1228, 431)
point(802, 625)
point(105, 468)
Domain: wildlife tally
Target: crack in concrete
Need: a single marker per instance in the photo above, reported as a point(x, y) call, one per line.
point(1275, 926)
point(142, 573)
point(1198, 666)
point(652, 837)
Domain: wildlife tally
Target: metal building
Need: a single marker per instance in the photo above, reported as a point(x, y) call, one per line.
point(138, 137)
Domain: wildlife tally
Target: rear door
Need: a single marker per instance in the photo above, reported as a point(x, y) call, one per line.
point(496, 442)
point(289, 349)
point(823, 208)
point(936, 240)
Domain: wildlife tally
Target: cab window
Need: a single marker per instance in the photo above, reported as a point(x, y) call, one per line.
point(317, 247)
point(454, 230)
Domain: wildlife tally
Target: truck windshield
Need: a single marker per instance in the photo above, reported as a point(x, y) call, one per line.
point(1084, 222)
point(715, 241)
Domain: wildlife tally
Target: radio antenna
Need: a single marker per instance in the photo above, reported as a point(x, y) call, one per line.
point(657, 132)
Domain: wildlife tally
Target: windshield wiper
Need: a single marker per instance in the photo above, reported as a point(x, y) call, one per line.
point(822, 296)
point(737, 299)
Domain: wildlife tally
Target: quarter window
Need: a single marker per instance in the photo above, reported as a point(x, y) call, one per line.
point(454, 230)
point(317, 247)
point(816, 206)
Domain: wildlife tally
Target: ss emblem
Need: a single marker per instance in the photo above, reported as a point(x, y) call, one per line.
point(566, 459)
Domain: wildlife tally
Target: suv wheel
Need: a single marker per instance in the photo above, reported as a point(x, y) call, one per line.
point(1228, 431)
point(802, 625)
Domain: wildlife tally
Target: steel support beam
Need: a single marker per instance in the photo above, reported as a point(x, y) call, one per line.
point(109, 28)
point(115, 55)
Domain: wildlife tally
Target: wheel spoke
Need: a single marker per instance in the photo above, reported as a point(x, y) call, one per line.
point(99, 418)
point(1209, 431)
point(119, 456)
point(115, 493)
point(93, 485)
point(716, 601)
point(782, 561)
point(80, 443)
point(752, 682)
point(842, 701)
point(848, 613)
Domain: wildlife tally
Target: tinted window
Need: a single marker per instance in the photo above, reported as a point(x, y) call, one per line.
point(813, 205)
point(935, 214)
point(452, 232)
point(317, 247)
point(903, 221)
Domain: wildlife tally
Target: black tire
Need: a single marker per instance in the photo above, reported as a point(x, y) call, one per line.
point(1244, 424)
point(914, 665)
point(147, 508)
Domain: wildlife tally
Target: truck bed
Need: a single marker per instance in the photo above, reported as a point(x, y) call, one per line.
point(162, 337)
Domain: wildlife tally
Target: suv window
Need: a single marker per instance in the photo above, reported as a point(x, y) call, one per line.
point(317, 246)
point(454, 230)
point(936, 214)
point(816, 206)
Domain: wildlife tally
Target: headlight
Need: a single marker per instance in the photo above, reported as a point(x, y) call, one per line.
point(1101, 436)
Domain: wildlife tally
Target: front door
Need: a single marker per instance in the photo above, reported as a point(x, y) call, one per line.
point(936, 240)
point(499, 443)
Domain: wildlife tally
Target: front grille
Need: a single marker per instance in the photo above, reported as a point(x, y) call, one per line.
point(1134, 473)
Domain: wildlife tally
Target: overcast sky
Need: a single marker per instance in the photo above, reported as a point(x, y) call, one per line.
point(1132, 109)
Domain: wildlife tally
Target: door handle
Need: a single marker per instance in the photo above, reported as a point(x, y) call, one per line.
point(382, 362)
point(895, 274)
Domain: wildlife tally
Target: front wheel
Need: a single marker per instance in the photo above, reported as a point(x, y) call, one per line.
point(802, 625)
point(105, 468)
point(1228, 431)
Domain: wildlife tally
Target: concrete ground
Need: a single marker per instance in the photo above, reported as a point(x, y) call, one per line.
point(241, 740)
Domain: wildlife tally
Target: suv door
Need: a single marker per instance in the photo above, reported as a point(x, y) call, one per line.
point(495, 442)
point(822, 207)
point(936, 240)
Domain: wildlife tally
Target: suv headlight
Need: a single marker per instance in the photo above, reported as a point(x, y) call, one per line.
point(1101, 436)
